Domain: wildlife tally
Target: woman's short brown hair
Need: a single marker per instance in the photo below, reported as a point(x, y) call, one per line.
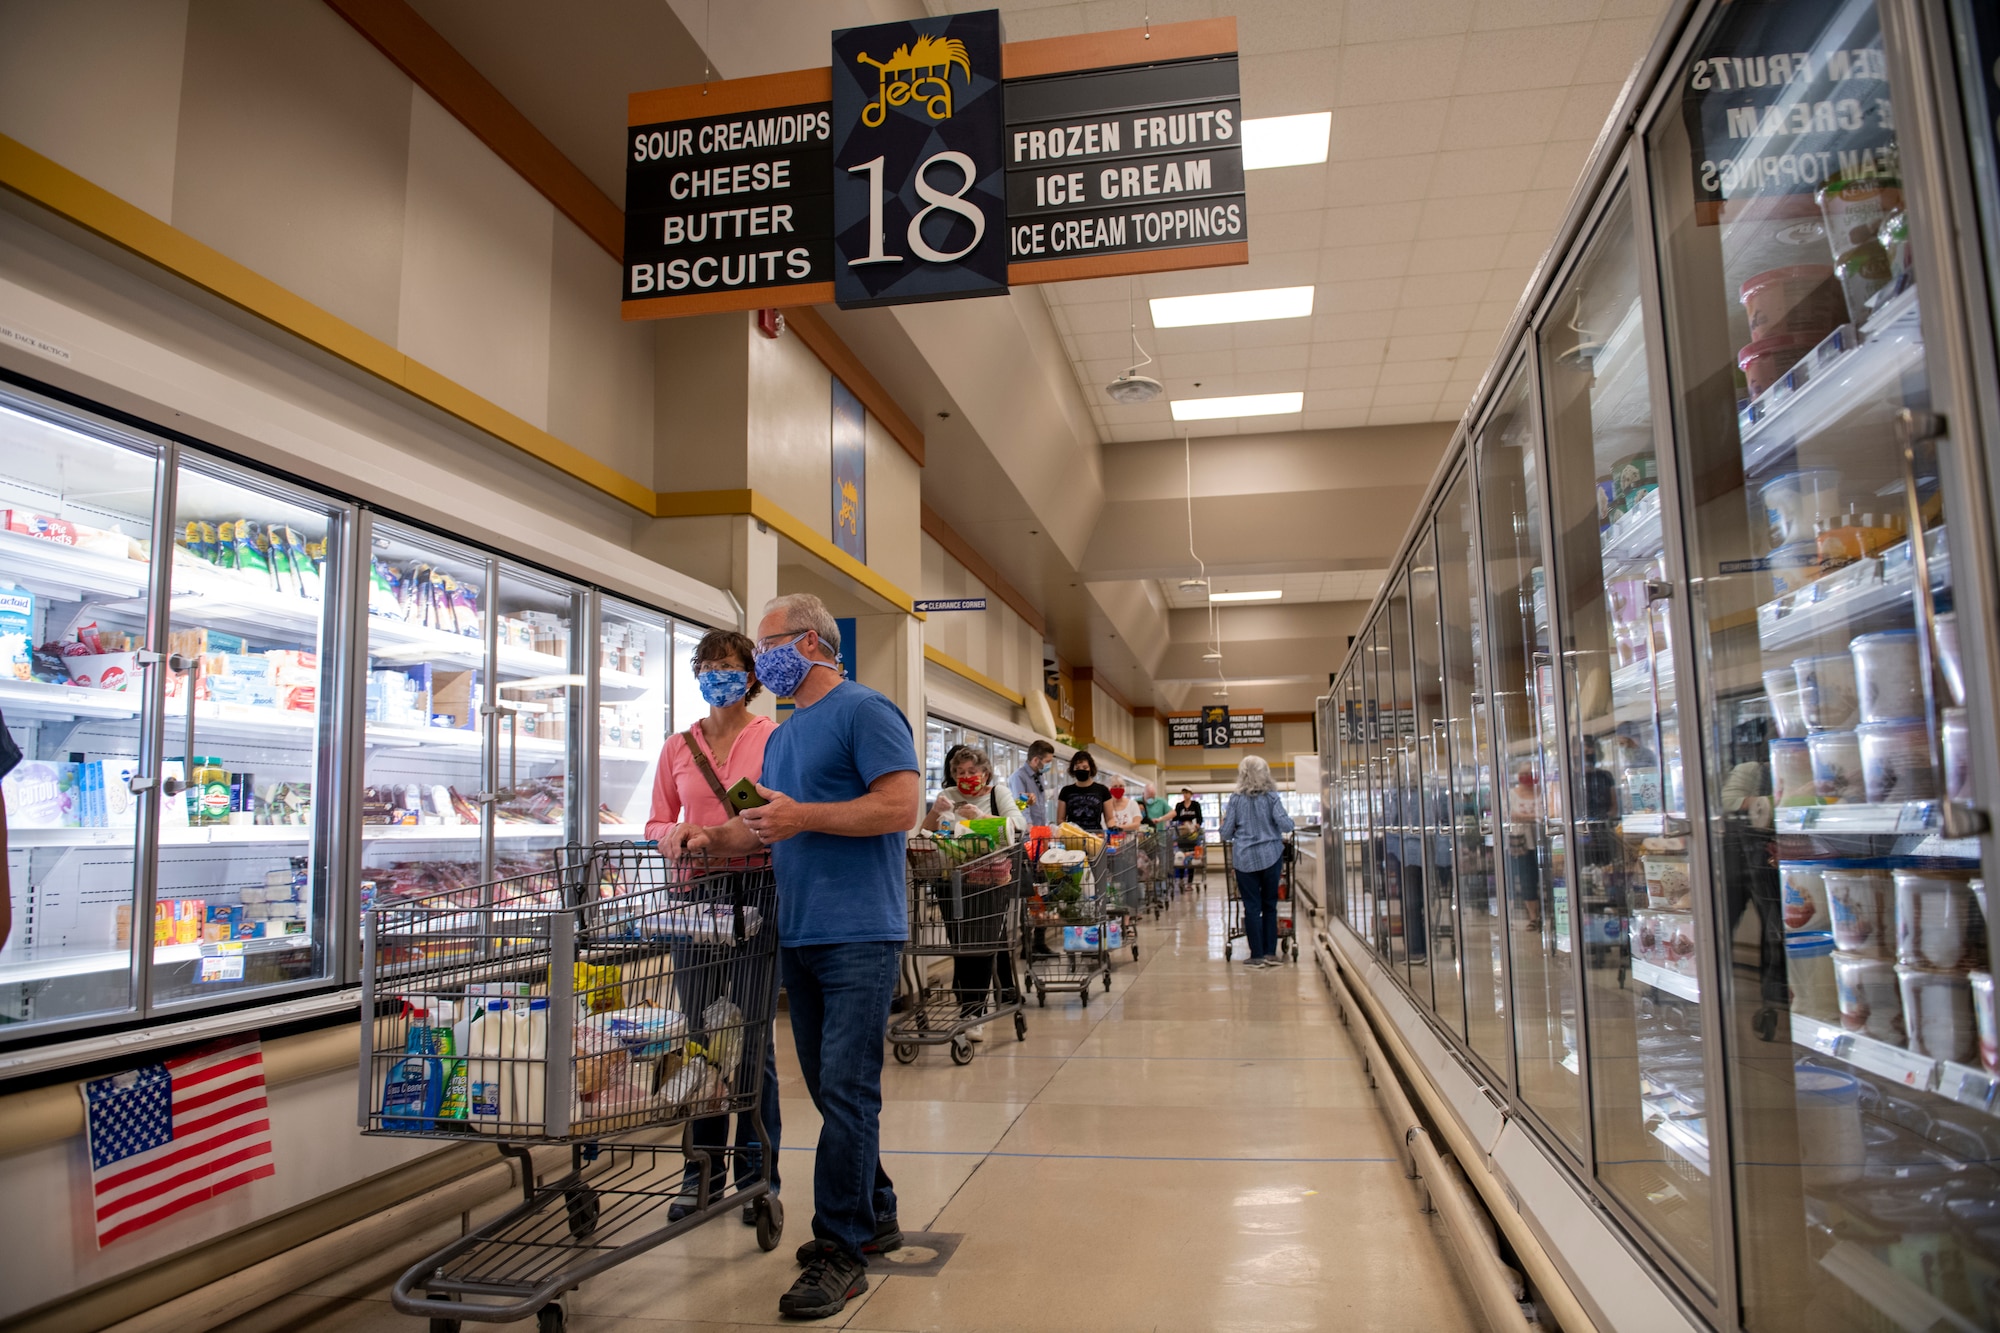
point(721, 645)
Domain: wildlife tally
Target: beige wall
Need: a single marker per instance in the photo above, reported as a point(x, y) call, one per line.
point(995, 642)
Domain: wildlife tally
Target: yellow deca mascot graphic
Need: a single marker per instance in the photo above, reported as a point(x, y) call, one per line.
point(927, 62)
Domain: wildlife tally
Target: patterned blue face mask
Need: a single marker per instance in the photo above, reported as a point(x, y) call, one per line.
point(719, 689)
point(784, 668)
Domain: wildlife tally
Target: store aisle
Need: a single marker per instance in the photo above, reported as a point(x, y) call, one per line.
point(1199, 1149)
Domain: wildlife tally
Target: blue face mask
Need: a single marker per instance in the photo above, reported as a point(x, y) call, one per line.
point(719, 689)
point(784, 668)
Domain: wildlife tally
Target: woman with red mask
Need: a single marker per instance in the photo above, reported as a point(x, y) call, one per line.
point(971, 793)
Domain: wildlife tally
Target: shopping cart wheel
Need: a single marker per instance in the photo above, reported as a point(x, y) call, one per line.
point(1041, 997)
point(770, 1221)
point(1227, 949)
point(906, 1052)
point(961, 1049)
point(1084, 995)
point(439, 1325)
point(1020, 1027)
point(581, 1203)
point(550, 1319)
point(1135, 953)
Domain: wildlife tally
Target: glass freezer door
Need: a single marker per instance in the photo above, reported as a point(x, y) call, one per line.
point(1856, 970)
point(76, 526)
point(634, 702)
point(241, 898)
point(538, 707)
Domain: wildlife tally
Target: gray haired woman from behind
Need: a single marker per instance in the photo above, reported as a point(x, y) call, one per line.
point(1254, 825)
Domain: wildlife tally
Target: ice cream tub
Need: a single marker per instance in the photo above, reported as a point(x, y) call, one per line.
point(1795, 502)
point(1802, 892)
point(1800, 300)
point(1938, 925)
point(1809, 972)
point(1862, 903)
point(1985, 1018)
point(1667, 884)
point(1887, 680)
point(1937, 1013)
point(102, 671)
point(1955, 737)
point(1839, 777)
point(1870, 999)
point(1765, 361)
point(1792, 773)
point(1896, 761)
point(1788, 712)
point(1831, 1147)
point(1828, 691)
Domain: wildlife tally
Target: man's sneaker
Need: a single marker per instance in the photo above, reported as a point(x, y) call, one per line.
point(888, 1236)
point(828, 1283)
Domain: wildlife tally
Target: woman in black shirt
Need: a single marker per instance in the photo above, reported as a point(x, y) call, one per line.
point(1082, 802)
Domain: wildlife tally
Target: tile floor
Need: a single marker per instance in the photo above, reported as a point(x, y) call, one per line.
point(1196, 1149)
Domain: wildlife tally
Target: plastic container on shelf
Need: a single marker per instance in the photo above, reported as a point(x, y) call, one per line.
point(1985, 1018)
point(1794, 502)
point(1871, 1002)
point(1838, 775)
point(1937, 1013)
point(1802, 894)
point(1862, 902)
point(1765, 361)
point(1781, 691)
point(1938, 925)
point(1896, 761)
point(1792, 567)
point(1809, 973)
point(1664, 939)
point(1668, 887)
point(1801, 300)
point(1827, 689)
point(1854, 208)
point(1863, 273)
point(1886, 675)
point(1792, 773)
point(1955, 739)
point(1832, 1147)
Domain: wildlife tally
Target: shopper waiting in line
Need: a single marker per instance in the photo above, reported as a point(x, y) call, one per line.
point(842, 789)
point(1155, 805)
point(970, 793)
point(1187, 821)
point(697, 767)
point(1254, 825)
point(1082, 802)
point(1122, 812)
point(1026, 784)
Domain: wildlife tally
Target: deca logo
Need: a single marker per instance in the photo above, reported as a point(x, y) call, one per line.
point(927, 63)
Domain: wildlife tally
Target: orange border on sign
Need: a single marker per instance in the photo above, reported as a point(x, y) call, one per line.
point(1120, 265)
point(1120, 46)
point(710, 303)
point(726, 97)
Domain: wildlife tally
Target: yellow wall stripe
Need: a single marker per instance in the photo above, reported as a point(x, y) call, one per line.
point(979, 678)
point(90, 206)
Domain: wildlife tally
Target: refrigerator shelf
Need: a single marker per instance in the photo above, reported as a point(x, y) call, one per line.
point(1870, 1053)
point(454, 832)
point(1831, 606)
point(1673, 983)
point(172, 836)
point(1847, 389)
point(50, 569)
point(1635, 537)
point(62, 703)
point(1903, 819)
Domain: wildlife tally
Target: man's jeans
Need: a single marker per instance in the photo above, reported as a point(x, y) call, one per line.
point(840, 997)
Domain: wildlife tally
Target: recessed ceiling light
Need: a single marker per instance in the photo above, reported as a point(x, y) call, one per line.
point(1244, 405)
point(1180, 312)
point(1268, 595)
point(1286, 141)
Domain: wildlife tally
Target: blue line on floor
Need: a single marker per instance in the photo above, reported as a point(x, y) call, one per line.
point(1003, 1053)
point(1122, 1157)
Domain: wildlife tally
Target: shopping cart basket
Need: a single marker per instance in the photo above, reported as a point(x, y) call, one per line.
point(603, 1004)
point(1190, 857)
point(1124, 883)
point(1070, 905)
point(1156, 869)
point(964, 905)
point(1287, 933)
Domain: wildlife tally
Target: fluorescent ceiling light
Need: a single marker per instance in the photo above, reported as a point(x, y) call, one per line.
point(1270, 595)
point(1244, 405)
point(1180, 312)
point(1286, 141)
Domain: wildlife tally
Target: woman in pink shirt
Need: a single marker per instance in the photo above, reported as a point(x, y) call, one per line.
point(696, 767)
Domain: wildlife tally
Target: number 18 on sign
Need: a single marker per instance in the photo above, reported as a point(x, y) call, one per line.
point(919, 194)
point(1215, 727)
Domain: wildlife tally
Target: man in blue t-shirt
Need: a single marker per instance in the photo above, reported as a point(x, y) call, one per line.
point(843, 789)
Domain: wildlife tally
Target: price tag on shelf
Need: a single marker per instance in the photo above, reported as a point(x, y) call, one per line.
point(226, 964)
point(1915, 817)
point(1879, 1057)
point(1968, 1086)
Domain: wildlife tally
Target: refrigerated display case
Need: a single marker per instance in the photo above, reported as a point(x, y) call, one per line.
point(1716, 589)
point(247, 709)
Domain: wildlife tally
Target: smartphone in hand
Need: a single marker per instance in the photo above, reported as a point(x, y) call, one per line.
point(743, 796)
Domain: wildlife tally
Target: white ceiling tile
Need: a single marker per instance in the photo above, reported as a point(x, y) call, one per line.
point(1454, 319)
point(1326, 378)
point(1202, 338)
point(1373, 21)
point(1615, 47)
point(1561, 164)
point(1369, 224)
point(1281, 25)
point(1389, 180)
point(1489, 214)
point(1340, 400)
point(1648, 10)
point(1532, 13)
point(1423, 347)
point(1347, 352)
point(1524, 248)
point(1479, 347)
point(1288, 83)
point(1352, 263)
point(1192, 365)
point(1585, 109)
point(1459, 172)
point(1100, 346)
point(1362, 294)
point(1430, 289)
point(1282, 192)
point(1274, 233)
point(1291, 357)
point(1504, 119)
point(1507, 284)
point(1460, 254)
point(1504, 59)
point(1385, 414)
point(1400, 374)
point(1398, 71)
point(1347, 326)
point(1097, 317)
point(1263, 381)
point(1493, 315)
point(1386, 130)
point(1542, 210)
point(1334, 420)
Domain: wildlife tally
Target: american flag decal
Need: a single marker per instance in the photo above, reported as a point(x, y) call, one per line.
point(168, 1136)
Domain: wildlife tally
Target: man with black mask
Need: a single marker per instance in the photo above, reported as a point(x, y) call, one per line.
point(1082, 802)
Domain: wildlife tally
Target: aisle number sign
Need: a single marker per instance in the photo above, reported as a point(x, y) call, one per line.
point(1215, 728)
point(930, 161)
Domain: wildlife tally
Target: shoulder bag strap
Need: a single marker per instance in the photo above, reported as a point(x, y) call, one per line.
point(707, 769)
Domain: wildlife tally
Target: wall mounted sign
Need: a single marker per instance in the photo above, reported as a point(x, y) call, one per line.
point(1184, 731)
point(850, 472)
point(931, 162)
point(1214, 728)
point(953, 604)
point(919, 204)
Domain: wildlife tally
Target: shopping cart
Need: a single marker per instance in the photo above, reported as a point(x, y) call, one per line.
point(1287, 933)
point(601, 1004)
point(964, 905)
point(1156, 870)
point(1124, 883)
point(1190, 857)
point(1070, 904)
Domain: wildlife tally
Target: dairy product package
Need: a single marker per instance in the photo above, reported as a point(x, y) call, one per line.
point(17, 633)
point(43, 795)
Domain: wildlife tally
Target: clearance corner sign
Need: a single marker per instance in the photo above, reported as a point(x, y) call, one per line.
point(931, 162)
